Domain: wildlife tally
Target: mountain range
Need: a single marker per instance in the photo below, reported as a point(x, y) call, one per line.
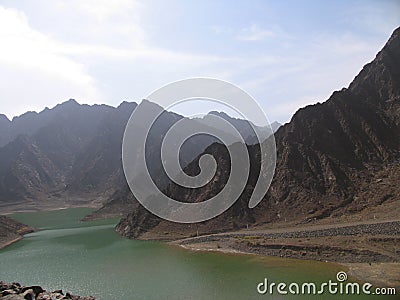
point(339, 158)
point(71, 154)
point(336, 159)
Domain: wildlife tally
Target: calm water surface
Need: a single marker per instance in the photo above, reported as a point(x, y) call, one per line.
point(92, 259)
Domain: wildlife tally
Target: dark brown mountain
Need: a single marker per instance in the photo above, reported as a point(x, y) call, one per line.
point(341, 157)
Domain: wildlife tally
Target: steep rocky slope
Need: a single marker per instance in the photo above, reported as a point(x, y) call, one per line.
point(328, 158)
point(37, 162)
point(121, 201)
point(98, 168)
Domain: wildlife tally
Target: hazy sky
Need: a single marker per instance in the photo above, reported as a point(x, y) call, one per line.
point(285, 53)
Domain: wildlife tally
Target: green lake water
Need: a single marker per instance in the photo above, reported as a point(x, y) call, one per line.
point(90, 258)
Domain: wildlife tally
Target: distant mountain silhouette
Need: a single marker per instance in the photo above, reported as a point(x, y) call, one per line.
point(122, 200)
point(245, 127)
point(71, 154)
point(42, 149)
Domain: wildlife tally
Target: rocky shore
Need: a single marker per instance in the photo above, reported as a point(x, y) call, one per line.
point(14, 291)
point(11, 231)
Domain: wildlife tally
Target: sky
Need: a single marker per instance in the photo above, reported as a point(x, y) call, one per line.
point(286, 54)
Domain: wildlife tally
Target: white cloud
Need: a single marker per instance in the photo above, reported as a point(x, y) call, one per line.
point(254, 33)
point(30, 61)
point(103, 51)
point(40, 71)
point(104, 18)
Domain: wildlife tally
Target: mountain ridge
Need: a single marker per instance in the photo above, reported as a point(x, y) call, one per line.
point(330, 160)
point(71, 155)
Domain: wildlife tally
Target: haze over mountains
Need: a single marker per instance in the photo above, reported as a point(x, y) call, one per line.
point(338, 158)
point(71, 154)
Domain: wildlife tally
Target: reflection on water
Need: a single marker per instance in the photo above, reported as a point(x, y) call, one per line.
point(91, 258)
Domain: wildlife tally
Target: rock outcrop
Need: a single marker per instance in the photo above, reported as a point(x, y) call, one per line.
point(11, 231)
point(14, 291)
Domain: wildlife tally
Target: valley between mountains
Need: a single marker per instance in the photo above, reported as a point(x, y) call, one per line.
point(335, 195)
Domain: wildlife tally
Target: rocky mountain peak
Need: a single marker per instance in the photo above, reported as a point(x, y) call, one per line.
point(382, 72)
point(126, 104)
point(70, 102)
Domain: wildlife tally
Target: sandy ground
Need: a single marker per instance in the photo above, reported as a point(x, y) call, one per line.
point(47, 205)
point(380, 274)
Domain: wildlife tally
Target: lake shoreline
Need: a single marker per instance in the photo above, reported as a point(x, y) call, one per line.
point(355, 251)
point(18, 236)
point(371, 267)
point(12, 231)
point(9, 242)
point(92, 259)
point(48, 208)
point(378, 274)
